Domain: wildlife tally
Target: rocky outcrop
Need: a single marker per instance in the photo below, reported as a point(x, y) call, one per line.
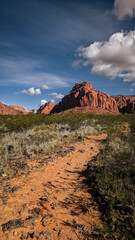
point(126, 104)
point(83, 97)
point(46, 108)
point(11, 110)
point(19, 108)
point(7, 110)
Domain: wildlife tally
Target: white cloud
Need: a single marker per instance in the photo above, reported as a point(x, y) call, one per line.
point(43, 102)
point(57, 95)
point(76, 63)
point(114, 58)
point(132, 87)
point(31, 91)
point(124, 8)
point(45, 87)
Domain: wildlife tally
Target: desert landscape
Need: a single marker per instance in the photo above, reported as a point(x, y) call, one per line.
point(68, 175)
point(67, 120)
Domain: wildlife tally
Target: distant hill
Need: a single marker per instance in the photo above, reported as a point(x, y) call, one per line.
point(11, 110)
point(19, 108)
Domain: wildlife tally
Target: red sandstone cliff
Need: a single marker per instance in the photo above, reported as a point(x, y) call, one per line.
point(7, 110)
point(83, 97)
point(11, 110)
point(46, 108)
point(19, 108)
point(126, 103)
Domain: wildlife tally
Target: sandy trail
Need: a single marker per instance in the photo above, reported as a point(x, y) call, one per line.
point(56, 197)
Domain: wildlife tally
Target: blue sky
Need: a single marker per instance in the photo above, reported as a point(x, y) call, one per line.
point(48, 46)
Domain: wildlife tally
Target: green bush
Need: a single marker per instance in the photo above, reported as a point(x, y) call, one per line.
point(112, 178)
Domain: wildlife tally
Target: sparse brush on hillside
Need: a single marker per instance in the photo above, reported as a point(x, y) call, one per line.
point(40, 140)
point(29, 135)
point(112, 182)
point(11, 123)
point(111, 173)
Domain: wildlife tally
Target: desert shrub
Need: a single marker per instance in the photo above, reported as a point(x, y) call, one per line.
point(10, 123)
point(112, 178)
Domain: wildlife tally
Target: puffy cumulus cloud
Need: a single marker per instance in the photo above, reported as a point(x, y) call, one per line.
point(124, 8)
point(113, 58)
point(43, 102)
point(45, 87)
point(31, 91)
point(57, 95)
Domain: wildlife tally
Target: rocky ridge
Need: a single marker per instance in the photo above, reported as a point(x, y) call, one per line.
point(11, 110)
point(19, 108)
point(7, 110)
point(46, 108)
point(83, 97)
point(126, 104)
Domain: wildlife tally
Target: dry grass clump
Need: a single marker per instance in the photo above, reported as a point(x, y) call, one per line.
point(42, 139)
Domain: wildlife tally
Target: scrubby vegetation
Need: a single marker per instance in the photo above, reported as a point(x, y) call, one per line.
point(111, 174)
point(112, 181)
point(25, 137)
